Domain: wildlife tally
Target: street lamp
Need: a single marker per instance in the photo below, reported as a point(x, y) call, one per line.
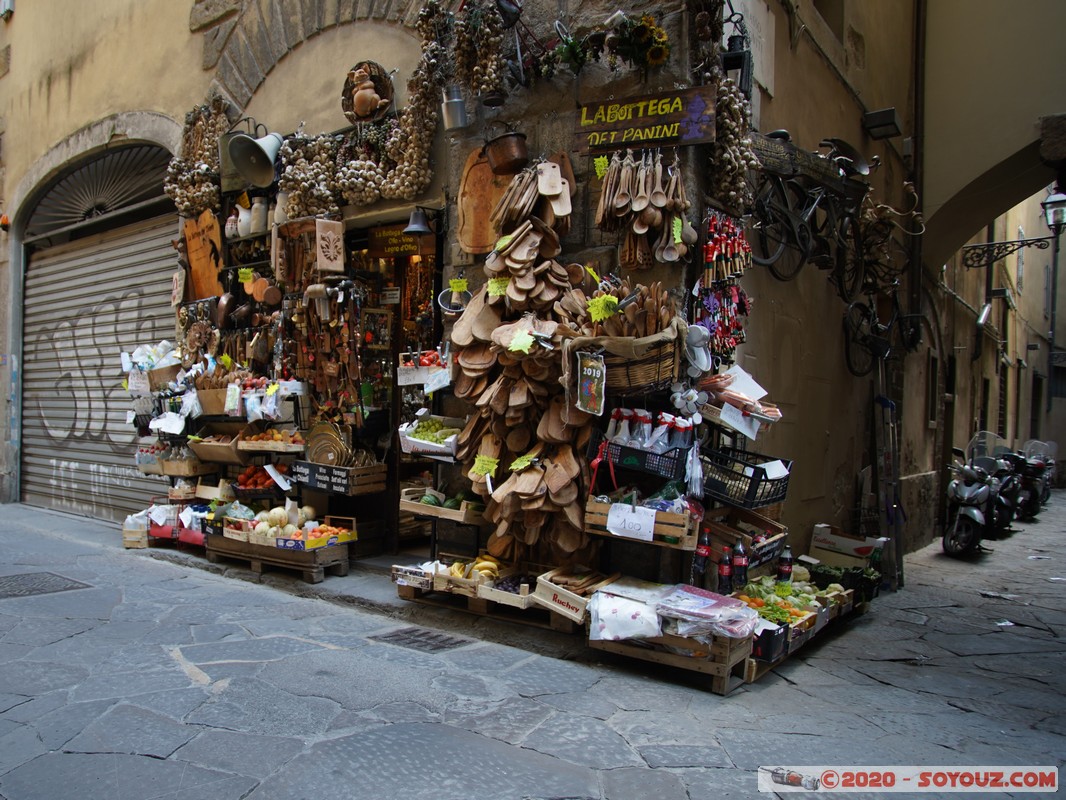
point(1055, 216)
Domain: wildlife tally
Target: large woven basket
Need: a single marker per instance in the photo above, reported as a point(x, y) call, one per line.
point(656, 369)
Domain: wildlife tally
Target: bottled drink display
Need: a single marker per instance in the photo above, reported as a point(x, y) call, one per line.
point(740, 565)
point(703, 553)
point(725, 572)
point(784, 565)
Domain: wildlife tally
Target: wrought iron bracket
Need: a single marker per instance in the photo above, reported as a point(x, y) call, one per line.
point(976, 256)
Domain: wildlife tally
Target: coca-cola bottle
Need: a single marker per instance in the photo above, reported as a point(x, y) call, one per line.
point(725, 572)
point(703, 553)
point(740, 565)
point(784, 565)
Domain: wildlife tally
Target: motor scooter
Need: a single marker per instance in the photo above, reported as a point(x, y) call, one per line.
point(1032, 473)
point(1041, 452)
point(990, 452)
point(971, 505)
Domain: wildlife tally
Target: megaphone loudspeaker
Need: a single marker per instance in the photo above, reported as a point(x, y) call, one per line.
point(254, 158)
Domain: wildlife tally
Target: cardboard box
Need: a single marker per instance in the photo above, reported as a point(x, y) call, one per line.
point(219, 452)
point(770, 641)
point(313, 544)
point(212, 401)
point(830, 537)
point(835, 559)
point(159, 378)
point(420, 447)
point(186, 468)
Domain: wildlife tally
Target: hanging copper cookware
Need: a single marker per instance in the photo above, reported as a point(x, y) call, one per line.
point(507, 153)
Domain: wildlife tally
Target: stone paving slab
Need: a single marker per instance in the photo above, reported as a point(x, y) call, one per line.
point(134, 731)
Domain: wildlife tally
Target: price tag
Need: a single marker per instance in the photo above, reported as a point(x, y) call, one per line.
point(503, 241)
point(458, 284)
point(137, 384)
point(521, 342)
point(485, 465)
point(592, 272)
point(498, 286)
point(735, 419)
point(159, 515)
point(245, 274)
point(745, 384)
point(600, 164)
point(602, 307)
point(272, 389)
point(243, 200)
point(632, 522)
point(438, 380)
point(186, 517)
point(279, 479)
point(676, 229)
point(225, 361)
point(522, 462)
point(131, 417)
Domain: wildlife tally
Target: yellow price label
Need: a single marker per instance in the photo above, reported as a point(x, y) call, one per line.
point(272, 389)
point(498, 286)
point(603, 307)
point(592, 272)
point(521, 342)
point(600, 164)
point(522, 462)
point(245, 274)
point(485, 465)
point(458, 284)
point(244, 201)
point(226, 361)
point(126, 384)
point(677, 230)
point(503, 241)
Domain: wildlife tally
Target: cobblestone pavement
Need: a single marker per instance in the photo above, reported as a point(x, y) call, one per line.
point(153, 679)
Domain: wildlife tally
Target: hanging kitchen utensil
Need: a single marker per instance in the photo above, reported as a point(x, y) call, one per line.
point(507, 153)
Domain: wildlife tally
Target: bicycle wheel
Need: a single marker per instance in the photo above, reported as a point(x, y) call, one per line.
point(849, 269)
point(857, 331)
point(773, 244)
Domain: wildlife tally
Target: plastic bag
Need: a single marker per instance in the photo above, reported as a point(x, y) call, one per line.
point(613, 618)
point(700, 612)
point(190, 404)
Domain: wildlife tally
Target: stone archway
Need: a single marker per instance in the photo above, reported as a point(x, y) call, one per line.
point(243, 40)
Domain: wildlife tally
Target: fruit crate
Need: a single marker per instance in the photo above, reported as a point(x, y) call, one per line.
point(670, 465)
point(468, 513)
point(444, 581)
point(270, 447)
point(740, 478)
point(677, 531)
point(563, 599)
point(728, 525)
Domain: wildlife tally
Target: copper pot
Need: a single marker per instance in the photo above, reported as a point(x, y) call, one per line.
point(507, 154)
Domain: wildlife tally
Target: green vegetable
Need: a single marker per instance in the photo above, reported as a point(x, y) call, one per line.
point(775, 613)
point(430, 500)
point(453, 503)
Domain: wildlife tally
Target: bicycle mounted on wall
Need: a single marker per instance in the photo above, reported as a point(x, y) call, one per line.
point(807, 208)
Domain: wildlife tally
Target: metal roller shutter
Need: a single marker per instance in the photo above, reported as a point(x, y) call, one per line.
point(85, 303)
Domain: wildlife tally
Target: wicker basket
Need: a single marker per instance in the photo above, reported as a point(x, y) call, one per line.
point(656, 369)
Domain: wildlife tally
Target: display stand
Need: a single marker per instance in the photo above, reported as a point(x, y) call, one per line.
point(311, 564)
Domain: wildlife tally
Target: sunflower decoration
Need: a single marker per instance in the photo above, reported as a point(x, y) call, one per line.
point(639, 42)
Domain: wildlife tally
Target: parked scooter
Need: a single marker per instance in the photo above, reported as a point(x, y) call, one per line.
point(1032, 471)
point(1041, 452)
point(972, 499)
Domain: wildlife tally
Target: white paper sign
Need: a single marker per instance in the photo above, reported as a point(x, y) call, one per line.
point(279, 479)
point(438, 380)
point(159, 515)
point(744, 383)
point(632, 522)
point(138, 384)
point(186, 517)
point(735, 419)
point(131, 417)
point(168, 423)
point(127, 362)
point(774, 469)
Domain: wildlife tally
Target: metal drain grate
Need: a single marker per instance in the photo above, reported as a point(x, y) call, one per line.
point(31, 583)
point(422, 639)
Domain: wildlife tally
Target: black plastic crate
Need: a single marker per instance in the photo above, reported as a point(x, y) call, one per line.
point(670, 465)
point(733, 476)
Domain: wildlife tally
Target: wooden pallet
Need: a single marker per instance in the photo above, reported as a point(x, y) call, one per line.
point(534, 615)
point(724, 660)
point(311, 564)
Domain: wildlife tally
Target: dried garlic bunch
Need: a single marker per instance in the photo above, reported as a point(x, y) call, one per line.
point(308, 175)
point(409, 143)
point(479, 62)
point(192, 176)
point(731, 154)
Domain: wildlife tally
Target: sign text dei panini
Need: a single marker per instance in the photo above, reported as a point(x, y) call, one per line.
point(680, 117)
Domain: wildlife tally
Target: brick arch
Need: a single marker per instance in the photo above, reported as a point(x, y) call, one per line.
point(245, 39)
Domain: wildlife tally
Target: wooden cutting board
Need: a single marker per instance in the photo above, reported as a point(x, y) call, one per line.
point(479, 191)
point(203, 243)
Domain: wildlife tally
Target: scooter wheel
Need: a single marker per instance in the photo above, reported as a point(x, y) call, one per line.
point(961, 538)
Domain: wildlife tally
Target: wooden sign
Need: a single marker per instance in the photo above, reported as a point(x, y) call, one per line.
point(389, 241)
point(203, 246)
point(680, 117)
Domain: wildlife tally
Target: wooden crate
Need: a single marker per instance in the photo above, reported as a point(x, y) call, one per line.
point(268, 447)
point(728, 525)
point(535, 616)
point(311, 564)
point(340, 480)
point(677, 531)
point(134, 538)
point(466, 514)
point(724, 660)
point(562, 600)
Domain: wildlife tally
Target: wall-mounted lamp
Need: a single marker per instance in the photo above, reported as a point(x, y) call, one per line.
point(882, 124)
point(982, 318)
point(737, 62)
point(1005, 293)
point(420, 223)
